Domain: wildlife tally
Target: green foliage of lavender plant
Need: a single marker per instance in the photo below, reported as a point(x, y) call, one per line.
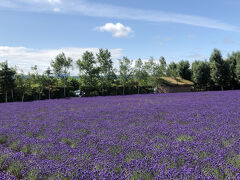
point(3, 139)
point(15, 168)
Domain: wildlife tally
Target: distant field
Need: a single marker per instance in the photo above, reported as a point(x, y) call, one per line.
point(165, 136)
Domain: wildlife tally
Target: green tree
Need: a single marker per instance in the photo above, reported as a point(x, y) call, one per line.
point(107, 74)
point(49, 82)
point(183, 70)
point(201, 73)
point(150, 67)
point(23, 84)
point(233, 61)
point(219, 69)
point(37, 82)
point(172, 70)
point(125, 72)
point(237, 68)
point(73, 82)
point(140, 74)
point(88, 70)
point(159, 70)
point(6, 79)
point(163, 65)
point(238, 71)
point(61, 66)
point(105, 62)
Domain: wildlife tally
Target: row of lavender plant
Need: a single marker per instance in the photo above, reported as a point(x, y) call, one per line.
point(165, 136)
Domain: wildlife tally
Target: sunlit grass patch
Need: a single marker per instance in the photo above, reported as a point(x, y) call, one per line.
point(115, 150)
point(15, 168)
point(161, 136)
point(67, 141)
point(214, 172)
point(32, 134)
point(26, 149)
point(133, 155)
point(58, 129)
point(55, 156)
point(184, 138)
point(161, 145)
point(122, 137)
point(234, 161)
point(226, 143)
point(117, 169)
point(85, 131)
point(37, 150)
point(58, 176)
point(184, 123)
point(99, 166)
point(14, 146)
point(82, 131)
point(33, 174)
point(136, 175)
point(86, 156)
point(202, 155)
point(74, 144)
point(3, 162)
point(174, 163)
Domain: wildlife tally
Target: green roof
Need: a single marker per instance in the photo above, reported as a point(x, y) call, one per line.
point(178, 81)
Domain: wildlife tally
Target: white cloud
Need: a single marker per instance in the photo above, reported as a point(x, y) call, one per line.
point(40, 1)
point(88, 8)
point(7, 4)
point(25, 58)
point(161, 43)
point(117, 30)
point(197, 56)
point(54, 1)
point(56, 9)
point(162, 40)
point(191, 36)
point(228, 41)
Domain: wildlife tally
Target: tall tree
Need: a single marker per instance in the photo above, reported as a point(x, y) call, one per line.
point(125, 71)
point(238, 71)
point(61, 66)
point(163, 65)
point(23, 84)
point(105, 62)
point(88, 69)
point(140, 74)
point(237, 68)
point(172, 70)
point(49, 81)
point(150, 67)
point(6, 78)
point(183, 70)
point(201, 73)
point(219, 69)
point(37, 82)
point(106, 69)
point(233, 61)
point(159, 71)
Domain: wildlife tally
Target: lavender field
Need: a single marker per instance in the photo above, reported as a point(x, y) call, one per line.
point(165, 136)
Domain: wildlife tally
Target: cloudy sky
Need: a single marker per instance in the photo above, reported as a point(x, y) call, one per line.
point(32, 32)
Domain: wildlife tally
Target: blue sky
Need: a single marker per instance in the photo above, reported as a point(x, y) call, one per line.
point(35, 31)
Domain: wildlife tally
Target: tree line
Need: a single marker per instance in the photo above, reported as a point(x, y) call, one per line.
point(97, 76)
